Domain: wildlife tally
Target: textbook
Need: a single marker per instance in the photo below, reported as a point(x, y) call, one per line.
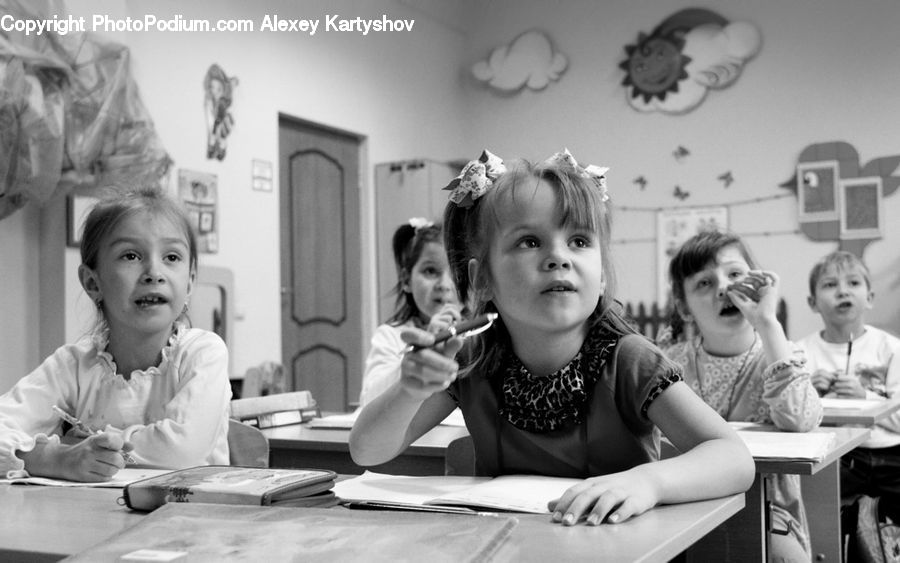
point(509, 493)
point(206, 532)
point(125, 476)
point(786, 446)
point(227, 484)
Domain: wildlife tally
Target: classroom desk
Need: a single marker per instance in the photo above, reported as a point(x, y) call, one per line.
point(867, 413)
point(820, 482)
point(49, 523)
point(298, 446)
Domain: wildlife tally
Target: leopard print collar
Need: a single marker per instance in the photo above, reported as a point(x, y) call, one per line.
point(544, 404)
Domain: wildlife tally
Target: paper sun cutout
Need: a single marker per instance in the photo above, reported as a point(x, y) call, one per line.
point(528, 61)
point(693, 50)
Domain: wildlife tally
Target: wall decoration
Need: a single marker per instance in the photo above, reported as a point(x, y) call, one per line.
point(262, 175)
point(640, 181)
point(678, 193)
point(673, 227)
point(680, 153)
point(840, 200)
point(671, 69)
point(726, 178)
point(530, 60)
point(199, 192)
point(219, 122)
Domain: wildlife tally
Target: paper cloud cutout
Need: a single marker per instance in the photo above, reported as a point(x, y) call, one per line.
point(690, 52)
point(528, 61)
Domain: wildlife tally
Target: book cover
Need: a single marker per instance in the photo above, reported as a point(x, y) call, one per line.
point(226, 484)
point(204, 532)
point(512, 493)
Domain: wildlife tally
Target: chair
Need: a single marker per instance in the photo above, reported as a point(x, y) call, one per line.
point(460, 457)
point(247, 446)
point(275, 410)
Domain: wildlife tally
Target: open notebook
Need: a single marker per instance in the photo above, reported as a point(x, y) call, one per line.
point(513, 493)
point(124, 477)
point(784, 446)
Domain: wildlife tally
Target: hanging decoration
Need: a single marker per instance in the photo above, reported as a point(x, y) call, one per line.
point(219, 122)
point(671, 69)
point(70, 115)
point(839, 200)
point(529, 61)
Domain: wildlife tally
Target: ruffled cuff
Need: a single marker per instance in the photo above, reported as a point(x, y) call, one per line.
point(13, 464)
point(793, 364)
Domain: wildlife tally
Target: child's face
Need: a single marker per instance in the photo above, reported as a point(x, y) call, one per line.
point(705, 298)
point(430, 282)
point(544, 276)
point(143, 275)
point(842, 295)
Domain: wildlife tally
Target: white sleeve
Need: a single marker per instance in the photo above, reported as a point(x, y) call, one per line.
point(382, 363)
point(196, 417)
point(25, 413)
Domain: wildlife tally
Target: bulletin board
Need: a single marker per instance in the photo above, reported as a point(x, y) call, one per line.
point(673, 227)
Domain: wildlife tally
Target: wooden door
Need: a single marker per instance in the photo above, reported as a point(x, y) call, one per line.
point(321, 326)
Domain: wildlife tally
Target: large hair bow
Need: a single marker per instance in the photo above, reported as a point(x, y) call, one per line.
point(592, 172)
point(474, 180)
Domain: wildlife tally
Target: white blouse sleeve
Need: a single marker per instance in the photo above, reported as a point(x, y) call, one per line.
point(25, 414)
point(382, 363)
point(195, 419)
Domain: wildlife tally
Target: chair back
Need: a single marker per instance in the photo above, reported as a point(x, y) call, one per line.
point(247, 446)
point(460, 457)
point(275, 410)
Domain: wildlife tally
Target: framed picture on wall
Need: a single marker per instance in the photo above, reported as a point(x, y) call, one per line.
point(673, 227)
point(817, 191)
point(861, 208)
point(200, 194)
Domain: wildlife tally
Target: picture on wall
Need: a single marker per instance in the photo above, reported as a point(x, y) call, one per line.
point(673, 227)
point(817, 193)
point(199, 193)
point(860, 204)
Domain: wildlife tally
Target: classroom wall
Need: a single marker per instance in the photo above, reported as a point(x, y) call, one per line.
point(826, 72)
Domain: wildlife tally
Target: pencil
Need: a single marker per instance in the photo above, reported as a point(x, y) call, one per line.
point(849, 351)
point(76, 423)
point(462, 330)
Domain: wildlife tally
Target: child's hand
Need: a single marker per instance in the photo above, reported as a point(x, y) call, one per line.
point(756, 296)
point(448, 315)
point(429, 370)
point(822, 380)
point(613, 498)
point(873, 377)
point(848, 387)
point(98, 457)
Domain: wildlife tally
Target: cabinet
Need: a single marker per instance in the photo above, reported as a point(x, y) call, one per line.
point(411, 188)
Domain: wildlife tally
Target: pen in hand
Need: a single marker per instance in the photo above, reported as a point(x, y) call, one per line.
point(462, 330)
point(82, 427)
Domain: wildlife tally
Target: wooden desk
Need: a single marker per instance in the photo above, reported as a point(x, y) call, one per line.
point(820, 482)
point(867, 413)
point(298, 446)
point(48, 523)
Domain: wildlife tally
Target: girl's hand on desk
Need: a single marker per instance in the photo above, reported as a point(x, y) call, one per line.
point(96, 458)
point(611, 498)
point(429, 370)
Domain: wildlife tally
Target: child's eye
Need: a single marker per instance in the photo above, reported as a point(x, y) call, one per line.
point(581, 241)
point(431, 272)
point(528, 242)
point(173, 257)
point(130, 256)
point(736, 274)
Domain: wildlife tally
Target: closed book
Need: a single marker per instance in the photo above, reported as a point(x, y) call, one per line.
point(228, 484)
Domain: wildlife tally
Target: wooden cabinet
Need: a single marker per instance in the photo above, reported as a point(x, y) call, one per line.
point(411, 188)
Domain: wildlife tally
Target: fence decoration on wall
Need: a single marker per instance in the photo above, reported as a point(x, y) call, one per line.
point(838, 199)
point(200, 194)
point(693, 50)
point(528, 61)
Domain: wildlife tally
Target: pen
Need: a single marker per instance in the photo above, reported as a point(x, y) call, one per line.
point(462, 330)
point(849, 350)
point(77, 424)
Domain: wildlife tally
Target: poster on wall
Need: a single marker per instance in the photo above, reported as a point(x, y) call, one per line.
point(199, 192)
point(673, 227)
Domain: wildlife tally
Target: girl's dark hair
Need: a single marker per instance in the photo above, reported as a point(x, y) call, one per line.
point(694, 255)
point(468, 232)
point(113, 208)
point(408, 243)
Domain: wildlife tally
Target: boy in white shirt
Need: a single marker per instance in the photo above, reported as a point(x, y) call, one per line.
point(841, 292)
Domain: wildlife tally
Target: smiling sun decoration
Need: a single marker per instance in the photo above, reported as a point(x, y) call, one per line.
point(671, 69)
point(654, 66)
